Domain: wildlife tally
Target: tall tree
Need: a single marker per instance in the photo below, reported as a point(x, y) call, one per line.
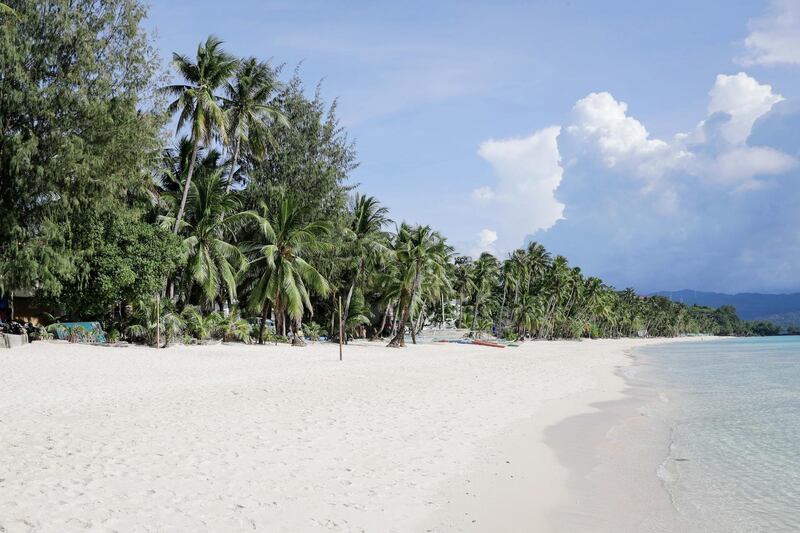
point(197, 102)
point(485, 277)
point(283, 277)
point(366, 240)
point(77, 137)
point(213, 260)
point(249, 111)
point(419, 252)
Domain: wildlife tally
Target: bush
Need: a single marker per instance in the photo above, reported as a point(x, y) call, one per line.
point(313, 331)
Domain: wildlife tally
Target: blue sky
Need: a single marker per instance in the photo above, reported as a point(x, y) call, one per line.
point(477, 118)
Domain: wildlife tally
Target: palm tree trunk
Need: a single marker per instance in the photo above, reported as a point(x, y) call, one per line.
point(332, 334)
point(477, 308)
point(395, 318)
point(264, 314)
point(233, 165)
point(399, 340)
point(386, 313)
point(346, 312)
point(186, 186)
point(297, 329)
point(421, 322)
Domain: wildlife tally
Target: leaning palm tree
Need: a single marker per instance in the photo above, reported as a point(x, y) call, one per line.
point(214, 262)
point(366, 244)
point(419, 253)
point(249, 112)
point(197, 103)
point(283, 277)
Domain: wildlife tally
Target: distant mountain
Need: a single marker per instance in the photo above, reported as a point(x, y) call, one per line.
point(783, 309)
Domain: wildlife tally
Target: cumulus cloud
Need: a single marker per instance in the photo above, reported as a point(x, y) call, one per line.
point(484, 242)
point(527, 171)
point(743, 99)
point(774, 38)
point(713, 208)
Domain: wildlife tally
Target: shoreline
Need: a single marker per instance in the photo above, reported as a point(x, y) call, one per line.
point(615, 456)
point(554, 452)
point(430, 438)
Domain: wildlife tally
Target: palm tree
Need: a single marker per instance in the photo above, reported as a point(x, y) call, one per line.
point(463, 283)
point(249, 113)
point(213, 217)
point(419, 253)
point(152, 317)
point(537, 262)
point(485, 277)
point(201, 326)
point(234, 327)
point(555, 288)
point(527, 314)
point(197, 102)
point(283, 278)
point(366, 245)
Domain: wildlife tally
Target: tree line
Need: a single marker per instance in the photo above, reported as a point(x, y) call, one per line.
point(193, 206)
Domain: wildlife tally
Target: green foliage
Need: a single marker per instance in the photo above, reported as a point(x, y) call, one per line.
point(313, 331)
point(73, 137)
point(280, 273)
point(251, 207)
point(235, 328)
point(148, 315)
point(200, 326)
point(120, 261)
point(310, 160)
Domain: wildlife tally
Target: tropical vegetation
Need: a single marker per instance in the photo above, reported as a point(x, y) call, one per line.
point(243, 226)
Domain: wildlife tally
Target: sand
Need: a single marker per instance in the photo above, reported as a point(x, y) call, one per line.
point(274, 438)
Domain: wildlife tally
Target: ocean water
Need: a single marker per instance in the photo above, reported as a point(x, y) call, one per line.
point(732, 409)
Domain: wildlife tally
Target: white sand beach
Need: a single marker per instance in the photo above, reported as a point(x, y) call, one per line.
point(274, 438)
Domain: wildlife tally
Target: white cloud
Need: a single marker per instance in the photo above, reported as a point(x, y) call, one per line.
point(528, 172)
point(655, 214)
point(744, 99)
point(774, 39)
point(602, 119)
point(485, 242)
point(739, 166)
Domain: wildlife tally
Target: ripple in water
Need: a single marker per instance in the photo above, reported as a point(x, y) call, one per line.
point(734, 408)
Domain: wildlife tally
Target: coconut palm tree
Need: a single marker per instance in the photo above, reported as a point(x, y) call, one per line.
point(366, 245)
point(419, 253)
point(463, 283)
point(197, 103)
point(526, 314)
point(152, 317)
point(249, 113)
point(485, 276)
point(214, 262)
point(283, 277)
point(200, 326)
point(233, 327)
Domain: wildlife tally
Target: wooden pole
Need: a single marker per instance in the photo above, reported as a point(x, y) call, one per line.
point(158, 320)
point(341, 328)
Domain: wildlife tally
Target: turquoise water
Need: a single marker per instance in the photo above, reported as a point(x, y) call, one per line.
point(733, 409)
